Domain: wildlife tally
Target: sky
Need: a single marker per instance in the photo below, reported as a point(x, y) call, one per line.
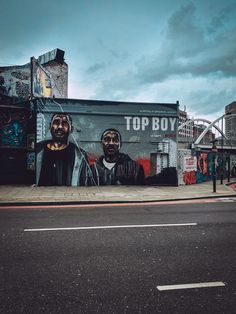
point(132, 50)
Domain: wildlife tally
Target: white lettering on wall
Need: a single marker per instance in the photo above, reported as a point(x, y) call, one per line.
point(172, 123)
point(144, 123)
point(136, 123)
point(157, 123)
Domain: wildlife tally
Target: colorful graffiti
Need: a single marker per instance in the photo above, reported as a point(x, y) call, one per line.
point(13, 127)
point(189, 177)
point(202, 167)
point(30, 161)
point(204, 171)
point(12, 134)
point(41, 80)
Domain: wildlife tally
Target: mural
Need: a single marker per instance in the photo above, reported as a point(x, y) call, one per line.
point(233, 166)
point(60, 162)
point(104, 143)
point(189, 168)
point(41, 85)
point(15, 81)
point(30, 161)
point(13, 127)
point(200, 167)
point(114, 168)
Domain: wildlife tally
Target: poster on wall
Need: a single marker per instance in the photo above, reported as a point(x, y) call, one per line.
point(30, 142)
point(189, 163)
point(41, 80)
point(30, 161)
point(189, 169)
point(103, 143)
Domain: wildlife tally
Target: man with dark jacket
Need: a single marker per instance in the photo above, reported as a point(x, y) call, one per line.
point(60, 162)
point(115, 168)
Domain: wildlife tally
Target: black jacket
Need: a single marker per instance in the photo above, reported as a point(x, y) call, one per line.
point(126, 172)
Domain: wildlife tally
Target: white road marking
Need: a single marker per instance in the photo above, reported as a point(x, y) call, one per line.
point(113, 227)
point(227, 199)
point(191, 286)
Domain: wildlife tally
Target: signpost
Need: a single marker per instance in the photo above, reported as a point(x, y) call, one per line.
point(214, 151)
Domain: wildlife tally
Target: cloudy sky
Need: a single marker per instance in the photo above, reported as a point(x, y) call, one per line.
point(132, 50)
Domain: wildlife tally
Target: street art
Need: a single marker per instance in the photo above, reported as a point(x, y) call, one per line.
point(233, 166)
point(114, 167)
point(189, 169)
point(41, 86)
point(59, 161)
point(30, 161)
point(15, 81)
point(104, 143)
point(13, 128)
point(202, 167)
point(12, 134)
point(224, 167)
point(189, 177)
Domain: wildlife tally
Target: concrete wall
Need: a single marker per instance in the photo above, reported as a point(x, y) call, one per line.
point(16, 80)
point(59, 78)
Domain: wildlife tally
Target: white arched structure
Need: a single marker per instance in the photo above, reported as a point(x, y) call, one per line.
point(211, 124)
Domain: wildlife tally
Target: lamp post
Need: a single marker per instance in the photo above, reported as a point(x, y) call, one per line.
point(222, 155)
point(222, 163)
point(214, 151)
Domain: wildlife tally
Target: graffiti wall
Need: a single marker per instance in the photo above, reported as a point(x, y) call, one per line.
point(233, 166)
point(17, 146)
point(82, 142)
point(16, 80)
point(197, 167)
point(13, 126)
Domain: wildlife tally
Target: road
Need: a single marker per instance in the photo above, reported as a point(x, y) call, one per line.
point(119, 259)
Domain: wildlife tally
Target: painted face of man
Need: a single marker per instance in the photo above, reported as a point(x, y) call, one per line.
point(12, 134)
point(111, 144)
point(61, 127)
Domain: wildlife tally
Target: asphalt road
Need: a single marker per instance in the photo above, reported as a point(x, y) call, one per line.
point(121, 264)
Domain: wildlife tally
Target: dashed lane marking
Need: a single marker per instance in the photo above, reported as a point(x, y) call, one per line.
point(111, 227)
point(227, 199)
point(192, 286)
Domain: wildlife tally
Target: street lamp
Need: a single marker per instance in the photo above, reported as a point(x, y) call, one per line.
point(214, 151)
point(222, 163)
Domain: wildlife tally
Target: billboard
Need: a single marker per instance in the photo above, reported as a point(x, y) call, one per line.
point(83, 142)
point(40, 80)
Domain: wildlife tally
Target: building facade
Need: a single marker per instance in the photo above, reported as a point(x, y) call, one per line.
point(17, 141)
point(230, 127)
point(46, 76)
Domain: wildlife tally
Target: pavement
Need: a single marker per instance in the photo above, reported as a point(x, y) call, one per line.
point(31, 195)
